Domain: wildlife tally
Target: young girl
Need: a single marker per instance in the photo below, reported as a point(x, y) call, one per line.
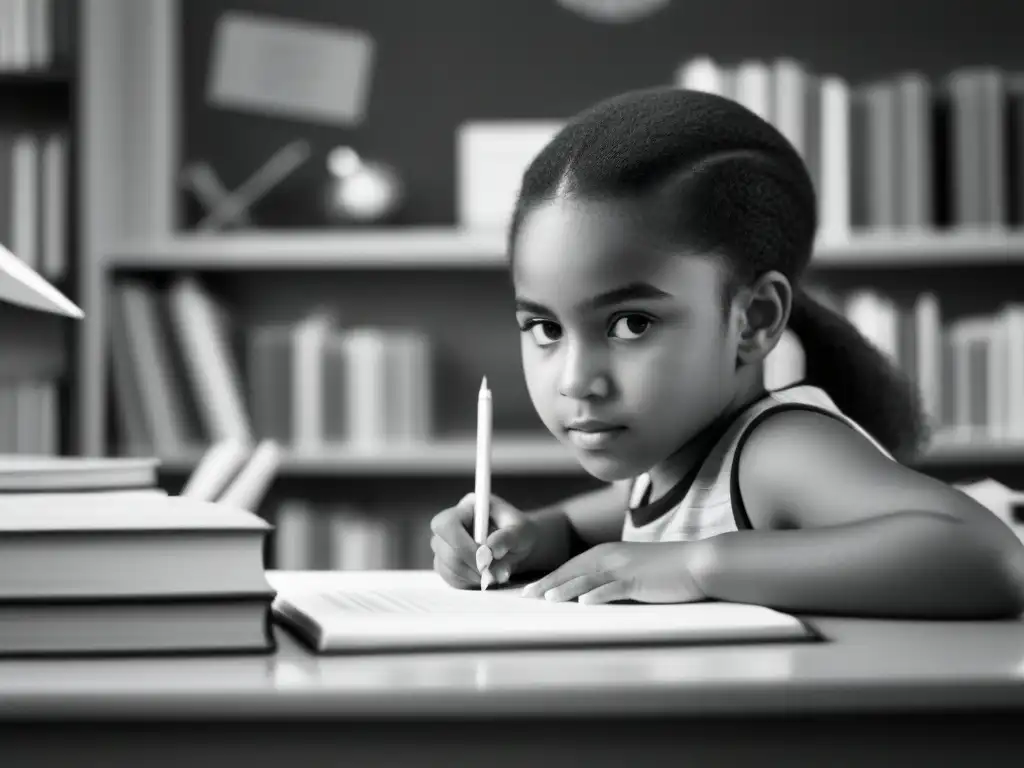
point(657, 249)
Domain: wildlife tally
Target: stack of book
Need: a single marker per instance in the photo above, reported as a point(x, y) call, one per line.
point(95, 558)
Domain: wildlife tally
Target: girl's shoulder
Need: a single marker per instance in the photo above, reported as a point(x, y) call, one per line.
point(721, 460)
point(800, 458)
point(806, 397)
point(718, 476)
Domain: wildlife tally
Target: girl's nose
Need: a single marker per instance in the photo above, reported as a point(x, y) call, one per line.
point(584, 375)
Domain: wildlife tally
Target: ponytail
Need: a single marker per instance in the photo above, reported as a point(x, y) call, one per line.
point(860, 379)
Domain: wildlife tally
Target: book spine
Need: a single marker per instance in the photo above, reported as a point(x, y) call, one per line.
point(836, 184)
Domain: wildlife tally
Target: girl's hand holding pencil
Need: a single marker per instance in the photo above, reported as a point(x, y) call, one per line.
point(463, 563)
point(480, 540)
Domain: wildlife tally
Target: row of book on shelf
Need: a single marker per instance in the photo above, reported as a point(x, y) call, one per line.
point(905, 152)
point(34, 198)
point(29, 417)
point(969, 370)
point(33, 367)
point(316, 383)
point(34, 34)
point(341, 536)
point(179, 381)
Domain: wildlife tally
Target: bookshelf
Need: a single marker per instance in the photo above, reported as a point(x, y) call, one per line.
point(391, 256)
point(38, 143)
point(447, 282)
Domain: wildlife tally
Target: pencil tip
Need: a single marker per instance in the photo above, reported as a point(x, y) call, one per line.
point(483, 385)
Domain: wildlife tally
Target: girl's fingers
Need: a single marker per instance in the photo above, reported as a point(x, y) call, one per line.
point(454, 564)
point(607, 593)
point(450, 527)
point(450, 576)
point(576, 586)
point(503, 541)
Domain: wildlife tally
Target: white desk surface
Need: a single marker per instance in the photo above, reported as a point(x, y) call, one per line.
point(865, 666)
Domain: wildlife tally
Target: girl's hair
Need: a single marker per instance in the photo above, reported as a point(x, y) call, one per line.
point(727, 183)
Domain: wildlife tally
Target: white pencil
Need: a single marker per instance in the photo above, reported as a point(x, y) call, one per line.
point(482, 489)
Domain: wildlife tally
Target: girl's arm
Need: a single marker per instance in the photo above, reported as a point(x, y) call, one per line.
point(840, 528)
point(576, 524)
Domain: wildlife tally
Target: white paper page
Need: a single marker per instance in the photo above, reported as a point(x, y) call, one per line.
point(426, 602)
point(409, 616)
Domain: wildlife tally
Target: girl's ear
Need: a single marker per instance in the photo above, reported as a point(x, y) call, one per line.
point(764, 312)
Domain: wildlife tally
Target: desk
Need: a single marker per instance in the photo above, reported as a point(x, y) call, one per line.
point(879, 693)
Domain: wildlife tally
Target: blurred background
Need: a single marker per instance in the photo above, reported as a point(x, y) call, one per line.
point(286, 220)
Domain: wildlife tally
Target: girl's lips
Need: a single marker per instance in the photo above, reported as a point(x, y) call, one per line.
point(594, 439)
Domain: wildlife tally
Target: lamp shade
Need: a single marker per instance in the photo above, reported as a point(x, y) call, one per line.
point(20, 284)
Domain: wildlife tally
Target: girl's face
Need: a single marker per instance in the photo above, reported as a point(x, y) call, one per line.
point(625, 352)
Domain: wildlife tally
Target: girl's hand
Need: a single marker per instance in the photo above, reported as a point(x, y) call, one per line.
point(645, 572)
point(459, 560)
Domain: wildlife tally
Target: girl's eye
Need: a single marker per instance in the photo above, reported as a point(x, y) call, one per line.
point(544, 331)
point(631, 326)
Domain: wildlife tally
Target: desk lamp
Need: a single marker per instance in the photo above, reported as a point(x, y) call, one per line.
point(20, 284)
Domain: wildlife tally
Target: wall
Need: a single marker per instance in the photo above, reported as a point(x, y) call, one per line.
point(443, 61)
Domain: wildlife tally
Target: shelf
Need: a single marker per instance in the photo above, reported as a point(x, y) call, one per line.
point(509, 456)
point(975, 455)
point(33, 95)
point(28, 78)
point(445, 248)
point(924, 250)
point(426, 247)
point(523, 456)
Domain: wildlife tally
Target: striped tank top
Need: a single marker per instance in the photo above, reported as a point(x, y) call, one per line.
point(707, 501)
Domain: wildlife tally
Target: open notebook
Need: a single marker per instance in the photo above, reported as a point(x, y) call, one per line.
point(416, 610)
